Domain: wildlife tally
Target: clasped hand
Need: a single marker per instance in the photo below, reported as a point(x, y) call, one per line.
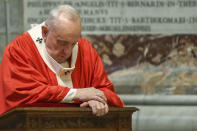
point(93, 98)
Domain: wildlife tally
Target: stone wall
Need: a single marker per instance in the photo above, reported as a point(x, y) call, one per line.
point(2, 27)
point(11, 21)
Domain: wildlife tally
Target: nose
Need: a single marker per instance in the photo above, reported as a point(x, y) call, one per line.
point(67, 50)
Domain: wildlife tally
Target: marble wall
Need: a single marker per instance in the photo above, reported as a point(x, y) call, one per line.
point(149, 64)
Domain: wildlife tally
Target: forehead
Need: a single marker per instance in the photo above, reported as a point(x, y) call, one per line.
point(67, 30)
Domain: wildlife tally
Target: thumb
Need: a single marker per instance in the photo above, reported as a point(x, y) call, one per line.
point(84, 104)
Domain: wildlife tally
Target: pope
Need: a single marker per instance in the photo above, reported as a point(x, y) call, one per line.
point(51, 65)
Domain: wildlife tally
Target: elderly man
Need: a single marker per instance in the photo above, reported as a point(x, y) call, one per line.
point(50, 65)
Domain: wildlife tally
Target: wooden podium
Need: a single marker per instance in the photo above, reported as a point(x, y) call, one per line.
point(66, 119)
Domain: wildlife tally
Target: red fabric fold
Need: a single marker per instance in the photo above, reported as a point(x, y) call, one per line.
point(26, 80)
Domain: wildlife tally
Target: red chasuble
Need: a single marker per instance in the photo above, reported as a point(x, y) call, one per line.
point(26, 80)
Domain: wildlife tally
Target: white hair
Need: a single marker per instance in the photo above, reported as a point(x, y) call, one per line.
point(66, 10)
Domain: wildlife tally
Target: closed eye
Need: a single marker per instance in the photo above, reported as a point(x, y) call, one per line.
point(62, 43)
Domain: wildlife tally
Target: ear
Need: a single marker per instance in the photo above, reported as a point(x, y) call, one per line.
point(44, 32)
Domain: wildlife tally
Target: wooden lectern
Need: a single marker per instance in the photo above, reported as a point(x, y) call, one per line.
point(66, 119)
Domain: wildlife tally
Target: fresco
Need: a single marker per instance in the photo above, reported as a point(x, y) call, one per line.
point(149, 64)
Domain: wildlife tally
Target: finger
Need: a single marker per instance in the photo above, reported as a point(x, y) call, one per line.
point(103, 97)
point(102, 112)
point(101, 94)
point(97, 108)
point(93, 107)
point(106, 108)
point(100, 108)
point(84, 104)
point(97, 98)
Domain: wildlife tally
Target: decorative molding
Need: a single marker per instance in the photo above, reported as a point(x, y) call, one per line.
point(71, 122)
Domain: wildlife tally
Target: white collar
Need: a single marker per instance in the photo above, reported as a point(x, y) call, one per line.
point(36, 35)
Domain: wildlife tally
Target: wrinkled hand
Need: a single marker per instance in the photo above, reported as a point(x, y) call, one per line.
point(98, 108)
point(87, 94)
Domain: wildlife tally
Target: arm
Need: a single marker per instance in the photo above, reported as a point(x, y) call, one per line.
point(101, 82)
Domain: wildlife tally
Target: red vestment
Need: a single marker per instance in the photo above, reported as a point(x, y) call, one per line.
point(26, 80)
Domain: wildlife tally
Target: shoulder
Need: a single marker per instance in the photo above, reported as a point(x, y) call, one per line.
point(22, 44)
point(86, 50)
point(83, 43)
point(86, 46)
